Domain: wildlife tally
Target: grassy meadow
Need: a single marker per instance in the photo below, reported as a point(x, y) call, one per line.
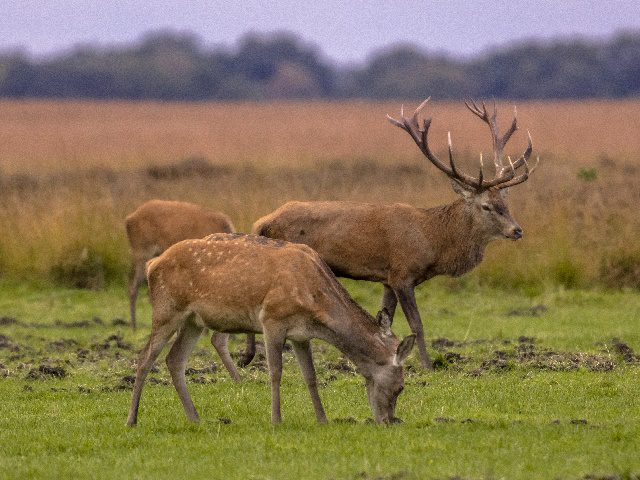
point(544, 388)
point(537, 372)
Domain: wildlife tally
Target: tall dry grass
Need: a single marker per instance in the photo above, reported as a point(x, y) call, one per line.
point(71, 171)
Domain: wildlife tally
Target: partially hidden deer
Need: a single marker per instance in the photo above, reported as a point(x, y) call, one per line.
point(399, 245)
point(156, 225)
point(246, 283)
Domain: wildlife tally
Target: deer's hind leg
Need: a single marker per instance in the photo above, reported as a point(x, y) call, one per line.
point(220, 342)
point(163, 327)
point(136, 279)
point(177, 363)
point(249, 350)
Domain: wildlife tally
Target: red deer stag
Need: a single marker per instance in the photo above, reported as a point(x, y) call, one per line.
point(402, 246)
point(246, 283)
point(155, 226)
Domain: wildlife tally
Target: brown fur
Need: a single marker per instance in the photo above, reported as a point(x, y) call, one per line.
point(155, 226)
point(237, 283)
point(398, 245)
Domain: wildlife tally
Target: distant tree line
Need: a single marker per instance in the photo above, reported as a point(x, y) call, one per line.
point(176, 66)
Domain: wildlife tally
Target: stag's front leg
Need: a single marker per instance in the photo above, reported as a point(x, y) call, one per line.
point(407, 299)
point(305, 360)
point(389, 301)
point(274, 343)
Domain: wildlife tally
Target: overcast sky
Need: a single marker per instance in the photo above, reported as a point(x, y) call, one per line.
point(345, 30)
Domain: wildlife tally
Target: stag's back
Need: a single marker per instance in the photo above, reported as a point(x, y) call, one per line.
point(357, 240)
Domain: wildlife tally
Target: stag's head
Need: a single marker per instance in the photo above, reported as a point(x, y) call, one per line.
point(385, 382)
point(487, 197)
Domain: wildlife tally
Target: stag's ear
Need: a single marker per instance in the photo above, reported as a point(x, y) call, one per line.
point(462, 189)
point(384, 320)
point(404, 349)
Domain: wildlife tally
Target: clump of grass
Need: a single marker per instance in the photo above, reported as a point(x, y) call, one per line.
point(621, 268)
point(588, 174)
point(82, 269)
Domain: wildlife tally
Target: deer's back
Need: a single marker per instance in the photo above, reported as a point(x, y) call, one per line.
point(357, 240)
point(228, 279)
point(158, 224)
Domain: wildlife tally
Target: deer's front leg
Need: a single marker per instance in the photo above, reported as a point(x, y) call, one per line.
point(407, 299)
point(274, 343)
point(305, 360)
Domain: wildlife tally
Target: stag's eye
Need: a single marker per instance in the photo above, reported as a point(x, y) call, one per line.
point(486, 207)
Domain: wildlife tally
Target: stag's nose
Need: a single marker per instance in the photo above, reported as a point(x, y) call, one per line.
point(517, 233)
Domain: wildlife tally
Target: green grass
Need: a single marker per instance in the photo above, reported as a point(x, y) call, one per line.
point(563, 405)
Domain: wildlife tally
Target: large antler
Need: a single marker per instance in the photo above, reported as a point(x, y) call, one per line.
point(505, 175)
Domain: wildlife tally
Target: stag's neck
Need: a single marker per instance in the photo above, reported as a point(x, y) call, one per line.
point(460, 238)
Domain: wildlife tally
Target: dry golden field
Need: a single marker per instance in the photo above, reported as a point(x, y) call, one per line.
point(71, 171)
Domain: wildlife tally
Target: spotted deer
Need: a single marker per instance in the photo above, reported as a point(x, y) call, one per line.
point(399, 245)
point(246, 283)
point(155, 226)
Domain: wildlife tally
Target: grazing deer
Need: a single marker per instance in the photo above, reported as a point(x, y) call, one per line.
point(402, 246)
point(155, 226)
point(246, 283)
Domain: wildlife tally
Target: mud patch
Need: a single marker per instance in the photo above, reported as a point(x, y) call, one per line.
point(62, 344)
point(112, 341)
point(444, 420)
point(342, 365)
point(4, 321)
point(392, 476)
point(534, 311)
point(626, 476)
point(213, 368)
point(625, 351)
point(46, 371)
point(347, 420)
point(80, 323)
point(118, 322)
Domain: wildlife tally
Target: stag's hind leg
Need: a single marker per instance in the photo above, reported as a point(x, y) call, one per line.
point(305, 360)
point(161, 331)
point(177, 363)
point(249, 350)
point(220, 342)
point(410, 308)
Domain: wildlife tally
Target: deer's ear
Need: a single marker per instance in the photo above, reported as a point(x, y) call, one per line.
point(404, 349)
point(384, 320)
point(462, 189)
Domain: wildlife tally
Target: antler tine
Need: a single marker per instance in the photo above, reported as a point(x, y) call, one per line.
point(480, 175)
point(527, 153)
point(476, 110)
point(420, 137)
point(451, 162)
point(520, 178)
point(512, 128)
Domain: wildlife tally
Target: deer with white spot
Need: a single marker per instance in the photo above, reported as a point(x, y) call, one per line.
point(155, 226)
point(399, 245)
point(246, 283)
